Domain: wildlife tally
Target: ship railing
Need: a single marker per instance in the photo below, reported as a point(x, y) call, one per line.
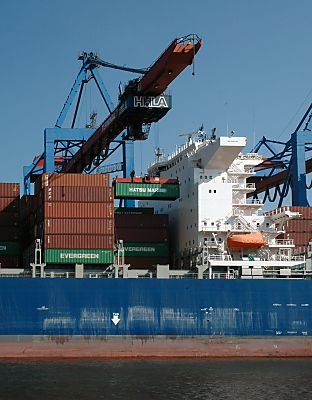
point(248, 201)
point(285, 257)
point(277, 211)
point(234, 169)
point(247, 213)
point(59, 275)
point(239, 185)
point(250, 156)
point(234, 181)
point(223, 257)
point(214, 275)
point(240, 227)
point(219, 275)
point(190, 275)
point(178, 150)
point(216, 227)
point(282, 242)
point(22, 275)
point(294, 273)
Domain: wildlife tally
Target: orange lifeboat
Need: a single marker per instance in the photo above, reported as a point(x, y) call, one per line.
point(252, 240)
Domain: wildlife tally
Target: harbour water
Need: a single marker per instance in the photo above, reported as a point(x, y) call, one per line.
point(157, 379)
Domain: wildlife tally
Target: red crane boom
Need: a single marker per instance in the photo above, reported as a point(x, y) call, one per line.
point(135, 106)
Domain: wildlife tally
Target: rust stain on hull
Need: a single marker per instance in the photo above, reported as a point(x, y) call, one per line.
point(152, 346)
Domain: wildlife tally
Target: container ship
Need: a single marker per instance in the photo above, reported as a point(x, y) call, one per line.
point(196, 269)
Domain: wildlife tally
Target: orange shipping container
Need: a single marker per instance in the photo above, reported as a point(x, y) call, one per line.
point(78, 210)
point(92, 194)
point(9, 190)
point(142, 235)
point(47, 180)
point(141, 220)
point(94, 226)
point(79, 242)
point(9, 204)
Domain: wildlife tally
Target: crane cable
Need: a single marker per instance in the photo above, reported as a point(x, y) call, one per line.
point(277, 191)
point(296, 113)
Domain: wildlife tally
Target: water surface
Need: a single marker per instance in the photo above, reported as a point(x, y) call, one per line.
point(267, 379)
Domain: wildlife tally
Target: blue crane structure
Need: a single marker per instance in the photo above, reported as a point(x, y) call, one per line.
point(142, 102)
point(288, 165)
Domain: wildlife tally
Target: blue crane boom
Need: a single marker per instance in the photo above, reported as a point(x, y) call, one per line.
point(292, 158)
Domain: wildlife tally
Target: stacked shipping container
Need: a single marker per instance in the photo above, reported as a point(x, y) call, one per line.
point(145, 238)
point(300, 230)
point(74, 218)
point(9, 225)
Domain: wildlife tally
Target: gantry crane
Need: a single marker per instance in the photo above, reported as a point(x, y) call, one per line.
point(143, 101)
point(291, 157)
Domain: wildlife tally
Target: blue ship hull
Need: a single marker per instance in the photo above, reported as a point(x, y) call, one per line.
point(137, 317)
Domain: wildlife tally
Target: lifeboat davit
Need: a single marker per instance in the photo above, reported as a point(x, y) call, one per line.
point(252, 240)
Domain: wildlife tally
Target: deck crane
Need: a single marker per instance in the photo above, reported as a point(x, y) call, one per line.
point(142, 102)
point(289, 156)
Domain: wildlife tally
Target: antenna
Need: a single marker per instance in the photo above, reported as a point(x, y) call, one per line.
point(92, 123)
point(159, 153)
point(189, 136)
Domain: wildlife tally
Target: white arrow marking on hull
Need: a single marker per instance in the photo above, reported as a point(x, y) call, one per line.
point(115, 318)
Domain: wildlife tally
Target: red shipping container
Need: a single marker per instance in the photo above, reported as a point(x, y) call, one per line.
point(47, 180)
point(146, 263)
point(9, 261)
point(79, 242)
point(94, 226)
point(298, 238)
point(78, 210)
point(300, 225)
point(9, 204)
point(306, 212)
point(93, 194)
point(9, 190)
point(9, 219)
point(9, 233)
point(142, 235)
point(28, 205)
point(141, 221)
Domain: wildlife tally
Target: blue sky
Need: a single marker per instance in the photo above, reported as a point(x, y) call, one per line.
point(252, 72)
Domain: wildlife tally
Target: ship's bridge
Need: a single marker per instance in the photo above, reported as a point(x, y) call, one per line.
point(220, 153)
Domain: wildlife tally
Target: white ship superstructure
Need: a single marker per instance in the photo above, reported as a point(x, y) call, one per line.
point(215, 228)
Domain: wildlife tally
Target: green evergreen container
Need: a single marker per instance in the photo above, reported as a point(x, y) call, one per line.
point(78, 256)
point(9, 248)
point(165, 191)
point(146, 249)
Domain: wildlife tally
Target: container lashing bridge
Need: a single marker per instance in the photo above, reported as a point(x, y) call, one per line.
point(287, 166)
point(143, 101)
